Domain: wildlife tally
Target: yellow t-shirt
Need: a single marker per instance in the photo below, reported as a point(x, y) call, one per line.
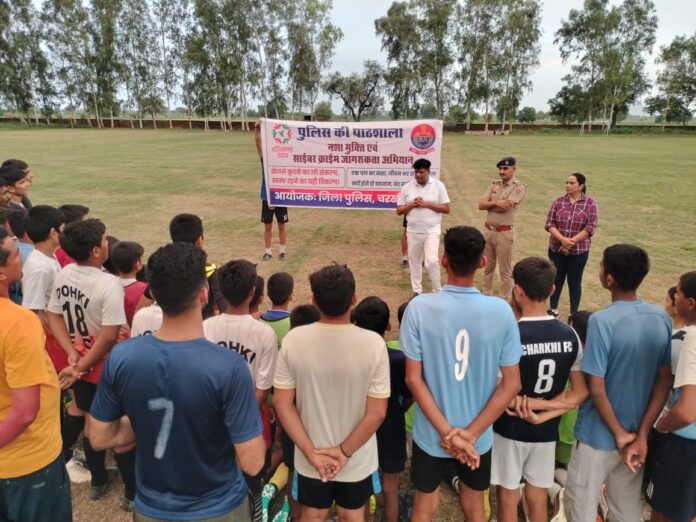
point(23, 363)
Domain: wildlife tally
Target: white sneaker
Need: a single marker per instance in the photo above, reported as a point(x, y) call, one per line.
point(77, 472)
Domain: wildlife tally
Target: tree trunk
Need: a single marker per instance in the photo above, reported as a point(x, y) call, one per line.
point(111, 116)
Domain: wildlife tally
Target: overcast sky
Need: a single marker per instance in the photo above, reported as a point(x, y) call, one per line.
point(356, 20)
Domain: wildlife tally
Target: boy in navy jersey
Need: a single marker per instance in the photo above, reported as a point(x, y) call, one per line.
point(190, 403)
point(372, 313)
point(524, 439)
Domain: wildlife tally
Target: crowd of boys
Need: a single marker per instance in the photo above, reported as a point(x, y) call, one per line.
point(212, 407)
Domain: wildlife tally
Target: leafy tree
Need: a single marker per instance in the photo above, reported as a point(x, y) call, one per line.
point(610, 44)
point(322, 111)
point(570, 104)
point(527, 115)
point(311, 42)
point(676, 81)
point(68, 37)
point(399, 32)
point(359, 93)
point(103, 14)
point(477, 39)
point(518, 36)
point(668, 110)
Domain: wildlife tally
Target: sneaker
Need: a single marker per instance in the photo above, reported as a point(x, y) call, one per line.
point(77, 472)
point(284, 514)
point(266, 257)
point(553, 313)
point(97, 492)
point(127, 505)
point(404, 263)
point(281, 256)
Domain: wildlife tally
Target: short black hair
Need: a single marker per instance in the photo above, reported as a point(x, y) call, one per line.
point(16, 163)
point(672, 294)
point(372, 313)
point(578, 321)
point(18, 222)
point(186, 228)
point(237, 278)
point(464, 249)
point(41, 220)
point(333, 287)
point(687, 284)
point(402, 309)
point(421, 163)
point(627, 264)
point(258, 291)
point(108, 264)
point(304, 314)
point(4, 215)
point(73, 213)
point(5, 183)
point(79, 238)
point(124, 255)
point(176, 274)
point(4, 253)
point(12, 175)
point(536, 276)
point(280, 287)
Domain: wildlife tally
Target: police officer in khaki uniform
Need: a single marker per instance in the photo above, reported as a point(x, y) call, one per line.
point(500, 203)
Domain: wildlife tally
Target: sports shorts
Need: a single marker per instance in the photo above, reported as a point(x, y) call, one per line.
point(514, 460)
point(348, 495)
point(84, 394)
point(426, 471)
point(391, 447)
point(281, 213)
point(671, 489)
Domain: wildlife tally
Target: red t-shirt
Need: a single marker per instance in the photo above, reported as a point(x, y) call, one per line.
point(133, 291)
point(63, 258)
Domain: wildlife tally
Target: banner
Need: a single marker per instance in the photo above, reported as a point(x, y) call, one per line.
point(345, 165)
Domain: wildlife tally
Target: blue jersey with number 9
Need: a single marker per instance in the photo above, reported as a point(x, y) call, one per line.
point(462, 338)
point(188, 403)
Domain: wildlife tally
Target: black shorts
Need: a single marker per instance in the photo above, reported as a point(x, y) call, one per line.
point(348, 495)
point(671, 487)
point(391, 447)
point(426, 471)
point(84, 394)
point(281, 214)
point(288, 450)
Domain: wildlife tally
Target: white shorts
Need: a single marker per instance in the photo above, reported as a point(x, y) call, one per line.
point(514, 460)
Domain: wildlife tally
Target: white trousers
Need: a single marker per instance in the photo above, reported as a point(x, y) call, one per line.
point(422, 246)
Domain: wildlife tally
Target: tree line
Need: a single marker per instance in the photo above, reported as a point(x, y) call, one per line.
point(444, 58)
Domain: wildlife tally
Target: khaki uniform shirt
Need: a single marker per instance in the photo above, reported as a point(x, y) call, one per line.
point(513, 190)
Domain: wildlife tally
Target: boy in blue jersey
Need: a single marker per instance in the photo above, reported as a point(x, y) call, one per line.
point(672, 485)
point(524, 439)
point(456, 342)
point(190, 403)
point(627, 362)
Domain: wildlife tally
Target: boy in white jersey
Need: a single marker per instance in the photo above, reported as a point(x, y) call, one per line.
point(85, 313)
point(237, 330)
point(147, 320)
point(671, 488)
point(339, 376)
point(456, 341)
point(524, 439)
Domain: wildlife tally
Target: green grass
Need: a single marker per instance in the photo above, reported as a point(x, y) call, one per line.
point(136, 180)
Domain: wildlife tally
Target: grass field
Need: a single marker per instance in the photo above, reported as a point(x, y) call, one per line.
point(135, 181)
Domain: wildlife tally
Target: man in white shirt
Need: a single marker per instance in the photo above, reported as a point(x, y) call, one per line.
point(423, 200)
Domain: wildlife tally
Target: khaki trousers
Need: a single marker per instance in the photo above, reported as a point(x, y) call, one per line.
point(498, 251)
point(588, 470)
